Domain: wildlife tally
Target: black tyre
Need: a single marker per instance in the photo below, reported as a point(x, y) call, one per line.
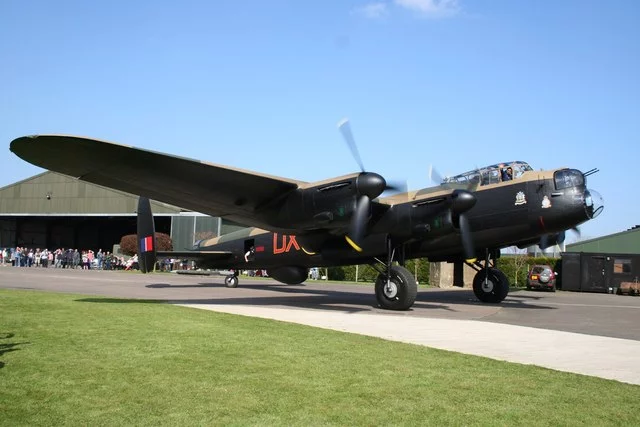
point(401, 292)
point(494, 289)
point(231, 281)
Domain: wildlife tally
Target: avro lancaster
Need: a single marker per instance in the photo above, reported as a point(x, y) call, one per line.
point(295, 225)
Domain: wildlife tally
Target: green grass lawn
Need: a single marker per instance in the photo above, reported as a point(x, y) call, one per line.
point(76, 360)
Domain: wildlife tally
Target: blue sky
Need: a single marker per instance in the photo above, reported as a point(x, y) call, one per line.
point(262, 85)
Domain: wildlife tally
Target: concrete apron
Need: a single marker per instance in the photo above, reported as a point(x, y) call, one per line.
point(604, 357)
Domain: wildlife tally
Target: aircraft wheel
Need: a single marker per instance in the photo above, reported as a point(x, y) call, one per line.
point(231, 281)
point(492, 290)
point(400, 293)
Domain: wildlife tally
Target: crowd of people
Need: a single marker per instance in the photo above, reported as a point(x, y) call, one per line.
point(65, 258)
point(90, 260)
point(80, 259)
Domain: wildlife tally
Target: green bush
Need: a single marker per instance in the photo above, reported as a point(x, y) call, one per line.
point(367, 273)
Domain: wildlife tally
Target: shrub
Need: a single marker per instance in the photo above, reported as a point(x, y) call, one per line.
point(367, 273)
point(129, 243)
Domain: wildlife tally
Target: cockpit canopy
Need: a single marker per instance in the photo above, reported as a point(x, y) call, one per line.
point(488, 174)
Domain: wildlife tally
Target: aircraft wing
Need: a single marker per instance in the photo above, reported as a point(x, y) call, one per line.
point(191, 184)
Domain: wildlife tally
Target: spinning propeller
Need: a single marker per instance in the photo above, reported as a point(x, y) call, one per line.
point(461, 201)
point(435, 177)
point(549, 240)
point(369, 185)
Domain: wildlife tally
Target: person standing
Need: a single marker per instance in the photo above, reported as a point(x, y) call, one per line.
point(249, 254)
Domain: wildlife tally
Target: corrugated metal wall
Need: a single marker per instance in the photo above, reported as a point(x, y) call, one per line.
point(50, 195)
point(626, 242)
point(53, 193)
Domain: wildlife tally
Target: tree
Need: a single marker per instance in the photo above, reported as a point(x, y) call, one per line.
point(129, 243)
point(519, 261)
point(517, 266)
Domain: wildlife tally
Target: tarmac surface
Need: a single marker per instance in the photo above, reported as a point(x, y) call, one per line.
point(591, 334)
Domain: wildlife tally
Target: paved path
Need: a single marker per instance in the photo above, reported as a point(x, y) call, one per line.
point(604, 357)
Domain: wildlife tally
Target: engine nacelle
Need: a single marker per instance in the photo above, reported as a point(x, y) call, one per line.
point(291, 275)
point(328, 204)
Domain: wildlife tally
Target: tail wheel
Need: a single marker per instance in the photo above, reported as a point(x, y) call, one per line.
point(400, 292)
point(231, 281)
point(490, 285)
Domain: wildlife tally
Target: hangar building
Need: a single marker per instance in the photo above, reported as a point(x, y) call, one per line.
point(51, 210)
point(602, 264)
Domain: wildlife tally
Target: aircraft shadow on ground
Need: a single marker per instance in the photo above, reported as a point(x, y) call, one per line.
point(301, 296)
point(6, 347)
point(311, 301)
point(199, 285)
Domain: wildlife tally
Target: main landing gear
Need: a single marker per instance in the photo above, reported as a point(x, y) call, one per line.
point(231, 281)
point(396, 288)
point(489, 284)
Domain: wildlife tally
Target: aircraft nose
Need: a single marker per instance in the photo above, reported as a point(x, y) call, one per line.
point(593, 203)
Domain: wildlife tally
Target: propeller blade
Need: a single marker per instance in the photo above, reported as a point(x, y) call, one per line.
point(359, 221)
point(560, 238)
point(435, 176)
point(475, 182)
point(397, 186)
point(576, 230)
point(549, 240)
point(345, 128)
point(467, 240)
point(544, 242)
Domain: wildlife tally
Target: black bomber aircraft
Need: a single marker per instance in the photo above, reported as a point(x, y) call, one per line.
point(296, 225)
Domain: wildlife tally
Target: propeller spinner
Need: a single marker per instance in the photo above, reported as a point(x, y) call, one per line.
point(461, 202)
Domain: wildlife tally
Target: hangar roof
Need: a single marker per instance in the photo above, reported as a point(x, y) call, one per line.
point(625, 242)
point(51, 193)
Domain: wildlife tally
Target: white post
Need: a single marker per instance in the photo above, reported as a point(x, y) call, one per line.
point(356, 273)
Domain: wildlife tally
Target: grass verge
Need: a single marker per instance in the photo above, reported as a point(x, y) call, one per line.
point(73, 360)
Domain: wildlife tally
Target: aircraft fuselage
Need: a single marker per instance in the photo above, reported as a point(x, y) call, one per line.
point(505, 214)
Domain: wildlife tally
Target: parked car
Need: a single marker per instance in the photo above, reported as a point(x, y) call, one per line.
point(541, 277)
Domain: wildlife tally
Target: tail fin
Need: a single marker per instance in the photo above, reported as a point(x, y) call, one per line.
point(146, 236)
